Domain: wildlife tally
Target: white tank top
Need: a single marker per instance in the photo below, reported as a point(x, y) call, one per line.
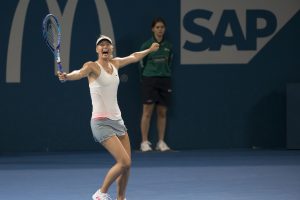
point(104, 94)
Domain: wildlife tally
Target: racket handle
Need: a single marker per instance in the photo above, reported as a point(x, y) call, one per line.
point(60, 69)
point(57, 57)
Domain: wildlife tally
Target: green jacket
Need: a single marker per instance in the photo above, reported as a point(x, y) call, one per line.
point(157, 64)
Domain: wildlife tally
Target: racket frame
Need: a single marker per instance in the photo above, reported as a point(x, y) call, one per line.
point(55, 50)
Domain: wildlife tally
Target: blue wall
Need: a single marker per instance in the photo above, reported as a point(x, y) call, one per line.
point(214, 105)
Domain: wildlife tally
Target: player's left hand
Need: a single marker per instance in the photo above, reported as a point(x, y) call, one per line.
point(154, 47)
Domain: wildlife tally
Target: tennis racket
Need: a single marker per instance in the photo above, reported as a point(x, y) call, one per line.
point(52, 37)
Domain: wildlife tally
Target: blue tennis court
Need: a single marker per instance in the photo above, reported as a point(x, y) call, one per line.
point(190, 175)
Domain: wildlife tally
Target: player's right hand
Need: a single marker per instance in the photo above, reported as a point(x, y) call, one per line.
point(62, 76)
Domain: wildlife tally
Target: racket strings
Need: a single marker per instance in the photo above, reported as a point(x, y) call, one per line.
point(52, 34)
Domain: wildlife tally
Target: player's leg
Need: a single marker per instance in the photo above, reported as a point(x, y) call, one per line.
point(123, 161)
point(122, 180)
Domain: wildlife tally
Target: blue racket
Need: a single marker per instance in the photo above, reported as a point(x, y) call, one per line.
point(52, 37)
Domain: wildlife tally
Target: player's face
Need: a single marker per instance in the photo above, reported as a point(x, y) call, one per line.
point(104, 49)
point(159, 29)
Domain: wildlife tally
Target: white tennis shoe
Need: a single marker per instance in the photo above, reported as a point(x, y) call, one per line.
point(101, 196)
point(146, 146)
point(162, 146)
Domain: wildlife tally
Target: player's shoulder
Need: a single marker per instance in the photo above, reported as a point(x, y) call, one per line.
point(89, 64)
point(115, 62)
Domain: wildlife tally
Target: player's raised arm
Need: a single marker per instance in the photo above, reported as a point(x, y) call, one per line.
point(134, 57)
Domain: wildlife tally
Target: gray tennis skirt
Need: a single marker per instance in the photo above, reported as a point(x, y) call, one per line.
point(105, 128)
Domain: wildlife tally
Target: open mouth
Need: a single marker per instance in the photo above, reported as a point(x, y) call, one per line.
point(105, 51)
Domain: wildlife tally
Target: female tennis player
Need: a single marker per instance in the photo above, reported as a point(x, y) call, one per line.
point(107, 125)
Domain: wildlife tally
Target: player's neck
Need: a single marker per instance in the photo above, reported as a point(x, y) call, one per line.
point(103, 62)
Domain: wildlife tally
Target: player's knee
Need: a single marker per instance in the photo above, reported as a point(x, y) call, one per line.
point(126, 164)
